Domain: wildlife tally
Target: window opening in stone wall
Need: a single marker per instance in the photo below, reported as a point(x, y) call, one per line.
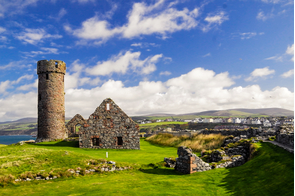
point(56, 64)
point(77, 128)
point(95, 141)
point(39, 97)
point(108, 106)
point(119, 141)
point(47, 77)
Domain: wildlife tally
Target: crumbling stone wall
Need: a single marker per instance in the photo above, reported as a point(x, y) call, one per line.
point(264, 133)
point(285, 135)
point(71, 125)
point(51, 109)
point(188, 163)
point(109, 127)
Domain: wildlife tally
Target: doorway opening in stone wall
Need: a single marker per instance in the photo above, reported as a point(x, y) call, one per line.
point(119, 141)
point(77, 128)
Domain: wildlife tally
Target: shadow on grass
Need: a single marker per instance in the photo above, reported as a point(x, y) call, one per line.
point(270, 172)
point(57, 144)
point(161, 171)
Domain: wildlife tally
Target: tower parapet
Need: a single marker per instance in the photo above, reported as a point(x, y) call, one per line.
point(51, 109)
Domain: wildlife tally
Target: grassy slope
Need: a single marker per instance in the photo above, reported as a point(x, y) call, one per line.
point(270, 172)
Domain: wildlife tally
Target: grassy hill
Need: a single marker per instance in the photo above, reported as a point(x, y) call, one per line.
point(270, 172)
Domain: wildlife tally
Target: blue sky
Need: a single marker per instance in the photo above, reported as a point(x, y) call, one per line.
point(157, 56)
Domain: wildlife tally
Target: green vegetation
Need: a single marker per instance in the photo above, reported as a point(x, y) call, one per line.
point(270, 172)
point(197, 142)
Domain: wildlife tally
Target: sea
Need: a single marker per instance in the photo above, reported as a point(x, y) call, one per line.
point(11, 139)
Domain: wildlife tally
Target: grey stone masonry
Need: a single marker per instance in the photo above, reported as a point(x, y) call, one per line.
point(109, 127)
point(188, 163)
point(51, 109)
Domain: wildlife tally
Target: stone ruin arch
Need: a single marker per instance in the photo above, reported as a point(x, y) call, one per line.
point(71, 125)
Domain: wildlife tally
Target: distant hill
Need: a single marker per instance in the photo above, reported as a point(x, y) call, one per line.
point(226, 113)
point(247, 112)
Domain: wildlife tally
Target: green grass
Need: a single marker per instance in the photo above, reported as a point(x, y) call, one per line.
point(270, 172)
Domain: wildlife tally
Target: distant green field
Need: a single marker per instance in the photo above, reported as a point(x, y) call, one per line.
point(270, 172)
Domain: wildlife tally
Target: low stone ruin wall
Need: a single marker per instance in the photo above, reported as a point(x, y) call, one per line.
point(285, 135)
point(234, 156)
point(188, 163)
point(249, 132)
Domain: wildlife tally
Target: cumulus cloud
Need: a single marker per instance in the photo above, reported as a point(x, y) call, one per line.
point(196, 91)
point(74, 78)
point(142, 20)
point(288, 74)
point(34, 36)
point(121, 63)
point(260, 73)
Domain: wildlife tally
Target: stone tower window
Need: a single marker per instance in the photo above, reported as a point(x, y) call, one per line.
point(108, 106)
point(119, 141)
point(56, 65)
point(47, 77)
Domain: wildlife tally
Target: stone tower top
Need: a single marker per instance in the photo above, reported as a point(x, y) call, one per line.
point(56, 66)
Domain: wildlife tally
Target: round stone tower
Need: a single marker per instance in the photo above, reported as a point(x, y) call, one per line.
point(51, 101)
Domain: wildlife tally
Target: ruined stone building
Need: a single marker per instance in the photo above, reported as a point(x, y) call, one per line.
point(107, 127)
point(51, 109)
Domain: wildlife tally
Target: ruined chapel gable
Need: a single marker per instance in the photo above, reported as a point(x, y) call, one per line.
point(109, 127)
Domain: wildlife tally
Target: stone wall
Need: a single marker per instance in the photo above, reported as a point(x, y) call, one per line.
point(264, 133)
point(51, 109)
point(71, 125)
point(188, 163)
point(109, 127)
point(285, 135)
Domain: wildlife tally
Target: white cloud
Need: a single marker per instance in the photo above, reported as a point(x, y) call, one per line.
point(62, 12)
point(83, 1)
point(144, 45)
point(27, 87)
point(195, 91)
point(206, 55)
point(44, 51)
point(74, 79)
point(11, 7)
point(214, 20)
point(2, 29)
point(4, 85)
point(276, 58)
point(34, 36)
point(260, 73)
point(165, 73)
point(141, 21)
point(290, 51)
point(122, 63)
point(288, 74)
point(15, 64)
point(264, 17)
